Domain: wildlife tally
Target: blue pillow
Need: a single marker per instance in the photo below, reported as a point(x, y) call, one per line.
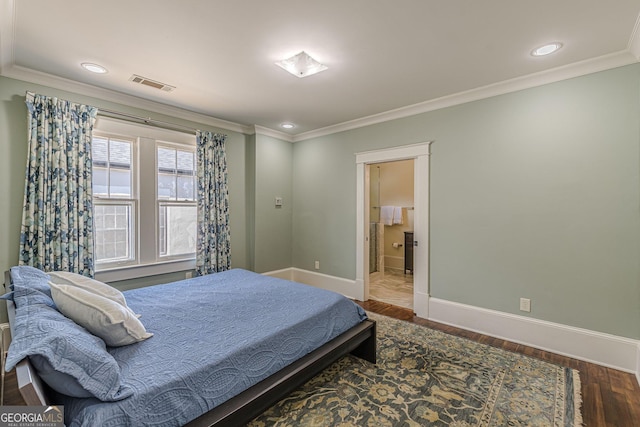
point(32, 278)
point(62, 383)
point(42, 331)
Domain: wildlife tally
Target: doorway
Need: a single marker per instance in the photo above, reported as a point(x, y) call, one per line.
point(420, 155)
point(391, 219)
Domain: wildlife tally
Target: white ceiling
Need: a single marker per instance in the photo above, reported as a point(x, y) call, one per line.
point(385, 58)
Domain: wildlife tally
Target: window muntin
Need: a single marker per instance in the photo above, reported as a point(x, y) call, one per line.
point(114, 203)
point(113, 231)
point(112, 167)
point(176, 194)
point(176, 174)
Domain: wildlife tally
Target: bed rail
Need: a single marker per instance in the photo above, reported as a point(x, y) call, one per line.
point(239, 410)
point(31, 388)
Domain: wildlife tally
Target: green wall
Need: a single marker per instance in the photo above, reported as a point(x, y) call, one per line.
point(272, 228)
point(324, 205)
point(13, 146)
point(532, 194)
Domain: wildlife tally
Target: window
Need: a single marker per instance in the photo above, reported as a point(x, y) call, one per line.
point(177, 222)
point(114, 203)
point(144, 194)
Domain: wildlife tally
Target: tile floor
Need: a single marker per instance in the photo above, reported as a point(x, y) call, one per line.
point(392, 287)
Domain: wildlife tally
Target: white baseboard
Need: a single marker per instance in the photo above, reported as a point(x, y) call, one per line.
point(346, 287)
point(342, 286)
point(638, 364)
point(285, 273)
point(594, 347)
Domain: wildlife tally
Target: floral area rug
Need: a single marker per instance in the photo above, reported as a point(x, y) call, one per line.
point(428, 378)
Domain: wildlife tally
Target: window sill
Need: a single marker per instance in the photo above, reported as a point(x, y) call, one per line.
point(136, 271)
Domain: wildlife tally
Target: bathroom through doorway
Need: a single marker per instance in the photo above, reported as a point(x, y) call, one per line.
point(391, 225)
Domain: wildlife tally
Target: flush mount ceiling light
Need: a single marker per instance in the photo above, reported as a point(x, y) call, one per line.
point(301, 65)
point(547, 49)
point(94, 68)
point(287, 125)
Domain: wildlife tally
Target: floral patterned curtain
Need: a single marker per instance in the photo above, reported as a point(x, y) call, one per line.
point(57, 220)
point(213, 251)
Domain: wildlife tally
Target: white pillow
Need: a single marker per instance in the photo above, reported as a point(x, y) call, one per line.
point(89, 284)
point(104, 318)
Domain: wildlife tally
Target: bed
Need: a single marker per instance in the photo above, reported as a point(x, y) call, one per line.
point(224, 348)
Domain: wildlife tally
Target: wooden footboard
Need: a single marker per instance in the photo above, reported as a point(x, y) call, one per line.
point(239, 410)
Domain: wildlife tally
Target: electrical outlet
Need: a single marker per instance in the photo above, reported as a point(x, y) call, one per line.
point(317, 265)
point(188, 275)
point(525, 305)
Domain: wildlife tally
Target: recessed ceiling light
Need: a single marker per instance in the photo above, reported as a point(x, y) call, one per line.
point(301, 65)
point(94, 68)
point(287, 125)
point(546, 49)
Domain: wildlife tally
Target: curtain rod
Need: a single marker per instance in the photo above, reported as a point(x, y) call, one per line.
point(146, 120)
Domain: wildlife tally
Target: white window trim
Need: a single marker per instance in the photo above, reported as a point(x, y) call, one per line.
point(143, 270)
point(148, 261)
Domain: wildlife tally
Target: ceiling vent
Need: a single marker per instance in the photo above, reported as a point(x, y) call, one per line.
point(151, 83)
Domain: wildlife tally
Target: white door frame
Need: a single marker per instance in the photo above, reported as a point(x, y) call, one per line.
point(420, 154)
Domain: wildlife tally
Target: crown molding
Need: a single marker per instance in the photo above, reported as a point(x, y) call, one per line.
point(261, 130)
point(37, 77)
point(634, 40)
point(576, 69)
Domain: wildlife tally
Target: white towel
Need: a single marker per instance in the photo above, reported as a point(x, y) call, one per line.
point(386, 215)
point(397, 215)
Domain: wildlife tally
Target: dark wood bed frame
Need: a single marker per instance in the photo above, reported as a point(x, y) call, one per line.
point(239, 410)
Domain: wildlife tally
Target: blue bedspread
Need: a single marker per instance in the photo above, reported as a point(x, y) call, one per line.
point(214, 336)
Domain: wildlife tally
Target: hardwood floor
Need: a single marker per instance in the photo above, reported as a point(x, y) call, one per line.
point(12, 396)
point(610, 398)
